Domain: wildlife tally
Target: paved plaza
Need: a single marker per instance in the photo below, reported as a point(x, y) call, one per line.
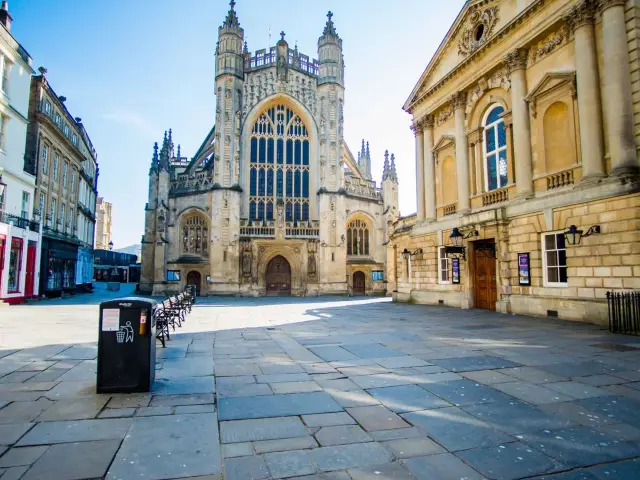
point(322, 389)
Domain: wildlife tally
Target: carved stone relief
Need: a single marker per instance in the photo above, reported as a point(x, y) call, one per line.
point(260, 85)
point(479, 29)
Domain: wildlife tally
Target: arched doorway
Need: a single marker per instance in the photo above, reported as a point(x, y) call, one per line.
point(358, 283)
point(278, 277)
point(194, 278)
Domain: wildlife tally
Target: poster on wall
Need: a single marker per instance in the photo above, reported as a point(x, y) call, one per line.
point(524, 270)
point(455, 270)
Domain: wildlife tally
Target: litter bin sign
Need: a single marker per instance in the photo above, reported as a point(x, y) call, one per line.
point(126, 346)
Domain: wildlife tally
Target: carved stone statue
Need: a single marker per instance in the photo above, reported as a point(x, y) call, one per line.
point(311, 266)
point(247, 259)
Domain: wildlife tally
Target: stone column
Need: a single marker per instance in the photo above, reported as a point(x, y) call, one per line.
point(417, 131)
point(462, 152)
point(580, 19)
point(429, 170)
point(617, 99)
point(516, 62)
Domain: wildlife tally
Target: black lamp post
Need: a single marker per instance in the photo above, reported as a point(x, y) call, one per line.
point(573, 235)
point(110, 245)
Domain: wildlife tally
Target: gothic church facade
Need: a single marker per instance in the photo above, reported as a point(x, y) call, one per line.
point(273, 202)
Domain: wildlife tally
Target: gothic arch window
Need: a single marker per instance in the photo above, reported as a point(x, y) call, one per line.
point(357, 238)
point(195, 234)
point(495, 149)
point(279, 165)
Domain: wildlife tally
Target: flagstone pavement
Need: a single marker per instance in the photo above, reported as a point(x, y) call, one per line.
point(317, 389)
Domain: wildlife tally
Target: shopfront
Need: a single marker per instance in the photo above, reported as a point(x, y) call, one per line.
point(58, 267)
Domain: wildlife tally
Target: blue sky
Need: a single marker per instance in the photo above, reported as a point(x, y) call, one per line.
point(133, 68)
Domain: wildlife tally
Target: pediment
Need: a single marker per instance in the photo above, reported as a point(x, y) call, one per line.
point(477, 23)
point(444, 142)
point(550, 82)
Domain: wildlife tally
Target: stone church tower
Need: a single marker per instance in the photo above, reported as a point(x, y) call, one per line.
point(273, 202)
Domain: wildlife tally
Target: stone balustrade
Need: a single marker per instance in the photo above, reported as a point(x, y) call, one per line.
point(495, 196)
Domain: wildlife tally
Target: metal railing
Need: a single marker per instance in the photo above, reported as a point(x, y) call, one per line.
point(624, 312)
point(19, 222)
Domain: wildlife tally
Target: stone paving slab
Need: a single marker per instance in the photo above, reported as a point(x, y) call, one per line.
point(393, 471)
point(328, 419)
point(455, 429)
point(79, 461)
point(76, 431)
point(189, 447)
point(11, 433)
point(261, 429)
point(581, 446)
point(441, 467)
point(468, 364)
point(376, 418)
point(407, 398)
point(285, 444)
point(510, 461)
point(515, 417)
point(277, 406)
point(413, 447)
point(18, 457)
point(341, 435)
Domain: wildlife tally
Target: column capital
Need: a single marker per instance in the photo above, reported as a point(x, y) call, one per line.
point(581, 14)
point(604, 4)
point(426, 122)
point(516, 59)
point(459, 100)
point(416, 128)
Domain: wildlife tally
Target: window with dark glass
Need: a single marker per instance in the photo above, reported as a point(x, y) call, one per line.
point(554, 259)
point(279, 165)
point(15, 265)
point(357, 238)
point(195, 234)
point(173, 275)
point(377, 275)
point(495, 152)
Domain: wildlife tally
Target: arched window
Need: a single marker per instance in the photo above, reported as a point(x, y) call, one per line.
point(357, 238)
point(195, 234)
point(495, 149)
point(279, 165)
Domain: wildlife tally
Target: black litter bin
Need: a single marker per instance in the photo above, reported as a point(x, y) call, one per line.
point(192, 291)
point(126, 346)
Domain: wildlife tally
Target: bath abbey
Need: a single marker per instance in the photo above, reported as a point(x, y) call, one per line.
point(274, 201)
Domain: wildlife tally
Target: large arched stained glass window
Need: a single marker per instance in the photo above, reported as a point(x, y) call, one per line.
point(495, 150)
point(195, 234)
point(357, 238)
point(279, 165)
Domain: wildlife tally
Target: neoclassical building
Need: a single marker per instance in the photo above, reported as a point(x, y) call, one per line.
point(527, 126)
point(273, 202)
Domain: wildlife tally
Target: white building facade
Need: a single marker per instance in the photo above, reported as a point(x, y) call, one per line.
point(19, 233)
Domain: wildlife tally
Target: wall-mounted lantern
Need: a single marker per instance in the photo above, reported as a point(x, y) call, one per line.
point(110, 245)
point(456, 249)
point(406, 254)
point(573, 235)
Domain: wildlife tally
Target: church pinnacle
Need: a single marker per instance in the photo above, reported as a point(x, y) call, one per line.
point(154, 159)
point(329, 28)
point(232, 17)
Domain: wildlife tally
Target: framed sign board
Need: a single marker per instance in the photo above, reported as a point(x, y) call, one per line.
point(455, 270)
point(524, 269)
